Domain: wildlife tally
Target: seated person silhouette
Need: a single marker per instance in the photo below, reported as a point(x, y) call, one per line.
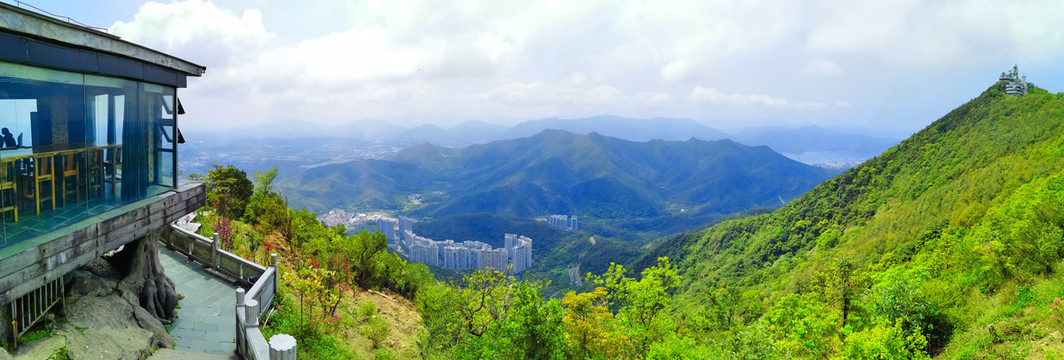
point(9, 140)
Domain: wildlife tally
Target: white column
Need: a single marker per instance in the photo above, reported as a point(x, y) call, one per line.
point(240, 340)
point(282, 347)
point(251, 313)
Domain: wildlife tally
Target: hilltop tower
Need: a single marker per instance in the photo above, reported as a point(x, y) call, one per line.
point(1014, 83)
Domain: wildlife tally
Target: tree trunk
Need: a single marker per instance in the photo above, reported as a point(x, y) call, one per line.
point(139, 260)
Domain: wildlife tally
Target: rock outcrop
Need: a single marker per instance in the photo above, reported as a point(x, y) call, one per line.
point(107, 318)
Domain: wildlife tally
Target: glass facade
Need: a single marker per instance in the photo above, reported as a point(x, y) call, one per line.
point(76, 145)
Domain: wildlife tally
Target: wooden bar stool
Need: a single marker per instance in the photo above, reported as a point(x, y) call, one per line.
point(70, 170)
point(43, 170)
point(94, 172)
point(7, 182)
point(113, 162)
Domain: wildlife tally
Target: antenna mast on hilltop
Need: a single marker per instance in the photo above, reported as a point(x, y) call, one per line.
point(1014, 83)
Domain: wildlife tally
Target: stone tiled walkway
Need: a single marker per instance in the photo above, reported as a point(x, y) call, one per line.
point(205, 319)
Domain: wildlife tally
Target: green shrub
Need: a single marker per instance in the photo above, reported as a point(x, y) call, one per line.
point(34, 336)
point(366, 310)
point(383, 354)
point(376, 330)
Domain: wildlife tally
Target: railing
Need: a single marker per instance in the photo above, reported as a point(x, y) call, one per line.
point(251, 304)
point(58, 17)
point(26, 310)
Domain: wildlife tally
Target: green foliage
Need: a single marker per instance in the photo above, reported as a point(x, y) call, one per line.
point(35, 335)
point(59, 354)
point(802, 326)
point(228, 191)
point(655, 188)
point(589, 326)
point(947, 245)
point(268, 209)
point(375, 329)
point(317, 295)
point(491, 316)
point(1056, 312)
point(886, 340)
point(903, 250)
point(897, 298)
point(532, 328)
point(367, 309)
point(725, 308)
point(383, 354)
point(640, 303)
point(746, 344)
point(314, 341)
point(494, 316)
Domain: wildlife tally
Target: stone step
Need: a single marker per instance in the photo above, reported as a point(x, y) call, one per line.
point(171, 354)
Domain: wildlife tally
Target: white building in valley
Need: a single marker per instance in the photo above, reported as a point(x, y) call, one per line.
point(515, 255)
point(563, 221)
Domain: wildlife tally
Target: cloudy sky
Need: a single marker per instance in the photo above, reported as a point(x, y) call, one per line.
point(889, 67)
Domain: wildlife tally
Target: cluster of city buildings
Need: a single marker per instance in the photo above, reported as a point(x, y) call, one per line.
point(563, 221)
point(1014, 83)
point(515, 256)
point(339, 216)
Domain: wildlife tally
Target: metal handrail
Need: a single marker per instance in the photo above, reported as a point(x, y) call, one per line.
point(58, 17)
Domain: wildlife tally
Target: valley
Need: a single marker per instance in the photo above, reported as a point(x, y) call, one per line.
point(540, 180)
point(910, 254)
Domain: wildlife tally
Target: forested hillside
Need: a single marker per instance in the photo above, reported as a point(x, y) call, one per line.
point(657, 187)
point(948, 245)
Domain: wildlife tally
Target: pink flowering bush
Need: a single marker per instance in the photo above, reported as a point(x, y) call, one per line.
point(224, 228)
point(1056, 313)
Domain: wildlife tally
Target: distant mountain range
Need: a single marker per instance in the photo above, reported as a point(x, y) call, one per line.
point(479, 132)
point(559, 172)
point(619, 127)
point(817, 143)
point(811, 138)
point(809, 144)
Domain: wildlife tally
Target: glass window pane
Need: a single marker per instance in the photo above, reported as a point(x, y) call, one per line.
point(43, 115)
point(76, 145)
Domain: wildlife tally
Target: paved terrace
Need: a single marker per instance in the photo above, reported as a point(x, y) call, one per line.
point(205, 320)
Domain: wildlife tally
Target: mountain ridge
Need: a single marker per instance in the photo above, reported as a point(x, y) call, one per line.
point(964, 214)
point(557, 171)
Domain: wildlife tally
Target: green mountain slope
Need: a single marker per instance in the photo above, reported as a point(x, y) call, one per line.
point(627, 184)
point(955, 234)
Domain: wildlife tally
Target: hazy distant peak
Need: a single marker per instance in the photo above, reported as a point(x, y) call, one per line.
point(621, 127)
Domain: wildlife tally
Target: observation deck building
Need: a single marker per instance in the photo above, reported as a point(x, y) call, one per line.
point(89, 154)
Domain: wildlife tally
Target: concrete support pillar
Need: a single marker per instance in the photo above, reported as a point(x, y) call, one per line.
point(282, 347)
point(251, 313)
point(169, 235)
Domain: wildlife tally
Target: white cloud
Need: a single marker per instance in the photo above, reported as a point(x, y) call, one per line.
point(566, 93)
point(714, 96)
point(821, 67)
point(196, 29)
point(627, 57)
point(938, 33)
point(653, 99)
point(692, 38)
